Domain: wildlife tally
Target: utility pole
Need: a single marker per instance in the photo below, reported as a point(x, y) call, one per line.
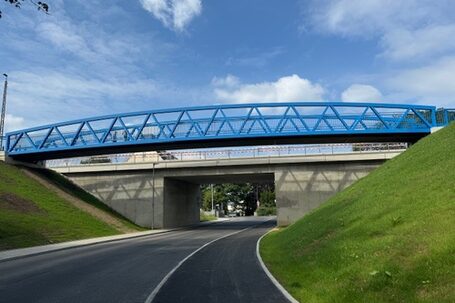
point(153, 196)
point(2, 120)
point(211, 187)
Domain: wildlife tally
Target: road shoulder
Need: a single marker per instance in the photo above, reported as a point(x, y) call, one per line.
point(13, 254)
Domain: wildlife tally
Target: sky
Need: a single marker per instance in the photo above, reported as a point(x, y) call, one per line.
point(90, 58)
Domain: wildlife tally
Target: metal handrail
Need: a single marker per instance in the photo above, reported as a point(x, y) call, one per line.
point(219, 154)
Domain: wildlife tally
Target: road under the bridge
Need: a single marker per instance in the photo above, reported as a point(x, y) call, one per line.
point(130, 270)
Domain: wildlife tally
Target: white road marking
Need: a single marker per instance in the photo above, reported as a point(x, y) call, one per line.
point(164, 280)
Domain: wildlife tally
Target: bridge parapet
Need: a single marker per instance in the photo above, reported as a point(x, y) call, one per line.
point(444, 116)
point(263, 152)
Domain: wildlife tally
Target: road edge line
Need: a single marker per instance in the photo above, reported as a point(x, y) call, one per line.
point(269, 274)
point(155, 291)
point(57, 249)
point(101, 241)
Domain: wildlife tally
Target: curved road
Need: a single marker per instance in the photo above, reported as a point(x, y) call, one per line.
point(226, 270)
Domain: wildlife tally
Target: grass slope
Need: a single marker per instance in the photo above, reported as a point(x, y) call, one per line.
point(390, 237)
point(31, 214)
point(74, 190)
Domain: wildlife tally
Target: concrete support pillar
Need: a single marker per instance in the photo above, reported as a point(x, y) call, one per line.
point(301, 188)
point(181, 203)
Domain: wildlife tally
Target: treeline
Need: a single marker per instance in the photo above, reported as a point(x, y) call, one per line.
point(249, 197)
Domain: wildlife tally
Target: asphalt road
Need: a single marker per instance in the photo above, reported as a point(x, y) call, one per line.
point(131, 270)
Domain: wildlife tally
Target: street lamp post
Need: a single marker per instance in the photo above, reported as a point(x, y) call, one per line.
point(211, 187)
point(153, 196)
point(2, 120)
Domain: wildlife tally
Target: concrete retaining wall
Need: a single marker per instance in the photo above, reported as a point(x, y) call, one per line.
point(301, 188)
point(129, 193)
point(170, 197)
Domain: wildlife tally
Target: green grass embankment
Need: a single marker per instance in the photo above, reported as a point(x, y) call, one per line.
point(390, 237)
point(72, 189)
point(32, 214)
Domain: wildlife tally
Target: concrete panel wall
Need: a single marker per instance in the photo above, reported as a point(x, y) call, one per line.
point(175, 199)
point(130, 194)
point(301, 188)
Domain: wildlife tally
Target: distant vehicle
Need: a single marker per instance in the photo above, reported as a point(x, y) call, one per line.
point(235, 210)
point(231, 209)
point(232, 214)
point(166, 155)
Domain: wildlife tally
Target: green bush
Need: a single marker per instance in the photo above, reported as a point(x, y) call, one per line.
point(266, 211)
point(203, 216)
point(267, 198)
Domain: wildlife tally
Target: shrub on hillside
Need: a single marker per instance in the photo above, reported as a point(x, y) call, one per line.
point(266, 211)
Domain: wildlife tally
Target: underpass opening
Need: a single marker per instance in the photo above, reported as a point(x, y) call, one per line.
point(220, 195)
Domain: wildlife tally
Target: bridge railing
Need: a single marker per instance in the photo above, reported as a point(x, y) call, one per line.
point(444, 116)
point(224, 122)
point(220, 154)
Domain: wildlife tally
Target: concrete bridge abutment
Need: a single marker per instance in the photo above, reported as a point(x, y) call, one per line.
point(168, 194)
point(301, 188)
point(148, 200)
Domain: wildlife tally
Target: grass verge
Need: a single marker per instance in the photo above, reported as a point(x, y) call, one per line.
point(74, 190)
point(203, 217)
point(31, 214)
point(390, 237)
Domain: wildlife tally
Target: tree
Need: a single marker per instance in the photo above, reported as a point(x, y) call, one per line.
point(42, 6)
point(228, 192)
point(267, 198)
point(219, 196)
point(245, 195)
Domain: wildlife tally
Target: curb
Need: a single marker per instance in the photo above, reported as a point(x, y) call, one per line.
point(20, 253)
point(269, 274)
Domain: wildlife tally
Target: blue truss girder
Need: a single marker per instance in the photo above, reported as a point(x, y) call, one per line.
point(226, 121)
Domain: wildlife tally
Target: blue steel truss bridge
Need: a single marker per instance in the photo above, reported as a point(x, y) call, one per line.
point(228, 125)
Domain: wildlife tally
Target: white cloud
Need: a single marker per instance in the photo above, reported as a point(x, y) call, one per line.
point(406, 29)
point(361, 93)
point(174, 14)
point(228, 81)
point(374, 17)
point(415, 37)
point(13, 122)
point(73, 64)
point(289, 88)
point(433, 83)
point(50, 96)
point(254, 57)
point(107, 52)
point(402, 44)
point(64, 85)
point(65, 37)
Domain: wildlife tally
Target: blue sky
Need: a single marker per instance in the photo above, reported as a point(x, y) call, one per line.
point(88, 58)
